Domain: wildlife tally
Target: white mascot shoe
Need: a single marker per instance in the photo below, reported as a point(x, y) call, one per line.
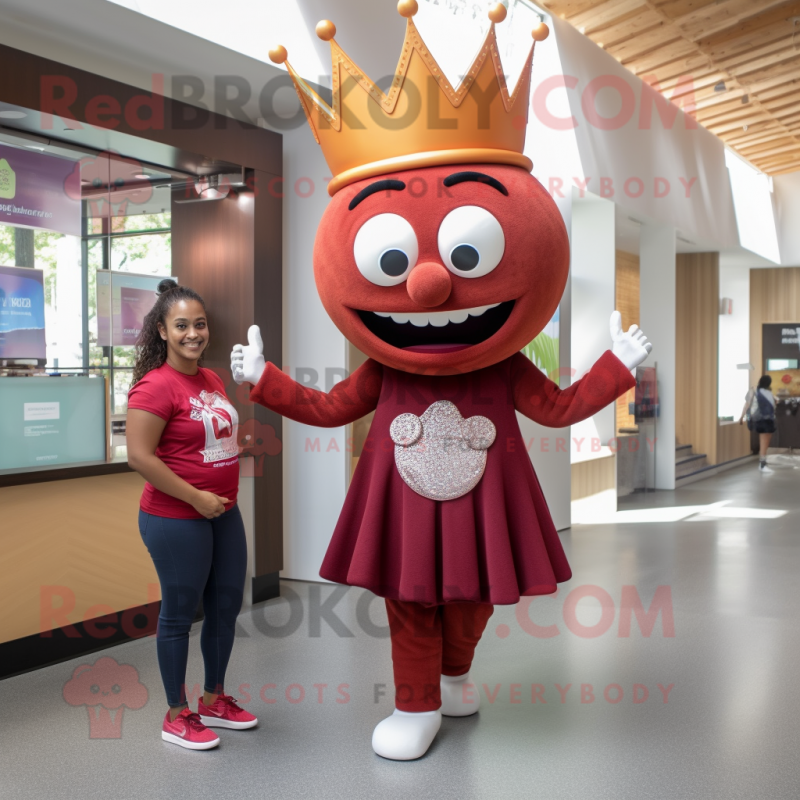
point(405, 736)
point(456, 702)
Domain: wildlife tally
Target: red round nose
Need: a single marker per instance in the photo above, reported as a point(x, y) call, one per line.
point(429, 284)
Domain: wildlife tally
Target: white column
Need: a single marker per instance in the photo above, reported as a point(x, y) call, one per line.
point(657, 315)
point(593, 282)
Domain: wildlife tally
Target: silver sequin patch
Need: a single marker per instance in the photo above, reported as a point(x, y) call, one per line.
point(441, 455)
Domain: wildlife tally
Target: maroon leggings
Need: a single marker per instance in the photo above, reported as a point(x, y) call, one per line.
point(430, 641)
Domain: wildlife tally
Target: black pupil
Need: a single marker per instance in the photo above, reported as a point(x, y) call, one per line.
point(394, 263)
point(465, 257)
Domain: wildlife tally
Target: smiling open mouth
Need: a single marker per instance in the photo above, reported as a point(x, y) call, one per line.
point(466, 326)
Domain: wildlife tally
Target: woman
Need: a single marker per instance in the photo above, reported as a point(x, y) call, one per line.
point(181, 434)
point(764, 421)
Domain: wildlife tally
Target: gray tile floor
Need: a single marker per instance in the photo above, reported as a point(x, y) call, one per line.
point(727, 729)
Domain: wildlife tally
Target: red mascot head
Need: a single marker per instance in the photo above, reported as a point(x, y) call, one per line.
point(439, 253)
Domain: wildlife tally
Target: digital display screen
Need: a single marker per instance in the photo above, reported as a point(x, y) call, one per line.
point(123, 301)
point(22, 313)
point(47, 422)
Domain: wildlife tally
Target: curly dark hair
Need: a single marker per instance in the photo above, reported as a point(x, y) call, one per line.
point(151, 349)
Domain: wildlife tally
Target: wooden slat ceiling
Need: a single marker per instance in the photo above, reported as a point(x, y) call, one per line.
point(683, 46)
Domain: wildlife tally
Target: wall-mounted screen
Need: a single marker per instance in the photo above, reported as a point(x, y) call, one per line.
point(123, 301)
point(48, 422)
point(781, 363)
point(22, 313)
point(780, 341)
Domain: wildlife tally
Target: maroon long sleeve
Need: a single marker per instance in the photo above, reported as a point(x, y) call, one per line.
point(540, 399)
point(348, 401)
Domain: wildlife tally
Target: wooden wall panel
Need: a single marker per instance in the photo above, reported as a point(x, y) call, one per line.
point(80, 534)
point(696, 351)
point(733, 441)
point(627, 303)
point(593, 476)
point(230, 252)
point(774, 297)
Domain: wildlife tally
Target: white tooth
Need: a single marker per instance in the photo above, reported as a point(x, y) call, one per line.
point(439, 318)
point(436, 318)
point(458, 316)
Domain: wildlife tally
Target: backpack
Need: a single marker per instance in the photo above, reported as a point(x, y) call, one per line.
point(760, 408)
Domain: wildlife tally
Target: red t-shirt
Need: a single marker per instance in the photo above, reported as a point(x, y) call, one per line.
point(199, 443)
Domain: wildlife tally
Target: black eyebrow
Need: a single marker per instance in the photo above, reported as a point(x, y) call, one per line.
point(477, 177)
point(378, 186)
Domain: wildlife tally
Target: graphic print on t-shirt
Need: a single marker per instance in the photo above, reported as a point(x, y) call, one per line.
point(220, 421)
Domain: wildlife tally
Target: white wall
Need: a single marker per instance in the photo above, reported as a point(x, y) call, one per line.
point(593, 268)
point(734, 341)
point(554, 153)
point(313, 482)
point(647, 153)
point(657, 290)
point(786, 198)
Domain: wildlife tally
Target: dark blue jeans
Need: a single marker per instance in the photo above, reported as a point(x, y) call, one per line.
point(196, 558)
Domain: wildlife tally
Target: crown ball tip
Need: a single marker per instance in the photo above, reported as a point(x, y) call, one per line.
point(278, 54)
point(540, 32)
point(498, 13)
point(407, 8)
point(326, 30)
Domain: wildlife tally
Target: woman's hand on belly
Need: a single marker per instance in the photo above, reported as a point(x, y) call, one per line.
point(208, 504)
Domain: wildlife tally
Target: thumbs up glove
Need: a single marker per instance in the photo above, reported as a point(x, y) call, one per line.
point(247, 361)
point(630, 347)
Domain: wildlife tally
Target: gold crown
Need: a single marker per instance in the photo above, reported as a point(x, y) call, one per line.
point(375, 133)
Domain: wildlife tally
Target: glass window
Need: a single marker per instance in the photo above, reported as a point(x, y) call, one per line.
point(126, 229)
point(138, 222)
point(149, 254)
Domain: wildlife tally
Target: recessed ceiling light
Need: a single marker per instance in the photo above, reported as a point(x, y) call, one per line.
point(141, 176)
point(13, 114)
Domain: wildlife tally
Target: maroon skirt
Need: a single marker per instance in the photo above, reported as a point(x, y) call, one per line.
point(491, 545)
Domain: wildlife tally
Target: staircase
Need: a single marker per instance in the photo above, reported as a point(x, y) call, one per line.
point(687, 462)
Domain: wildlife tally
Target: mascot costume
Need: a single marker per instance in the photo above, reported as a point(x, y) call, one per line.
point(440, 256)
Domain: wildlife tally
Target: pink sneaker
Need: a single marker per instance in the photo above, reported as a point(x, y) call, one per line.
point(225, 713)
point(186, 730)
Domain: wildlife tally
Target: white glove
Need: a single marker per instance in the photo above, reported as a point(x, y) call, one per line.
point(247, 361)
point(630, 348)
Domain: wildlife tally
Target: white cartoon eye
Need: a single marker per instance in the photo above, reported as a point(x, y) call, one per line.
point(471, 241)
point(386, 249)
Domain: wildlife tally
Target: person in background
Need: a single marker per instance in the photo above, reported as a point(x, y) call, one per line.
point(182, 438)
point(759, 407)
